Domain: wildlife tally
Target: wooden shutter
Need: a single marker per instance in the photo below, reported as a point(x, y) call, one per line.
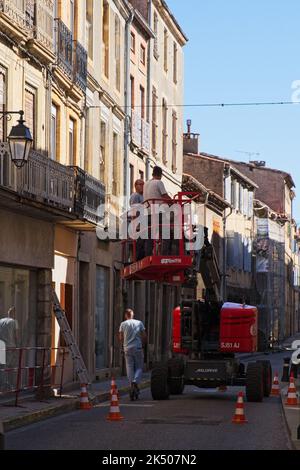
point(66, 302)
point(30, 110)
point(2, 102)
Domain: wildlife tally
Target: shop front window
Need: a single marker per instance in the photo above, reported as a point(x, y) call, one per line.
point(17, 321)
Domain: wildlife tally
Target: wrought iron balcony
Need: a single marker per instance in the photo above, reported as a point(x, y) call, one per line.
point(64, 48)
point(41, 179)
point(140, 132)
point(145, 136)
point(80, 65)
point(89, 197)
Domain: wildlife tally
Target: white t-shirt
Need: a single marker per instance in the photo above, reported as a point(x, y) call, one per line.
point(154, 189)
point(132, 330)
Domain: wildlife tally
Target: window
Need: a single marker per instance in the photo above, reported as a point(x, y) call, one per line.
point(71, 142)
point(142, 101)
point(30, 111)
point(105, 38)
point(54, 131)
point(132, 91)
point(141, 175)
point(72, 17)
point(155, 29)
point(102, 150)
point(115, 163)
point(131, 173)
point(2, 103)
point(154, 122)
point(143, 55)
point(175, 52)
point(164, 131)
point(90, 28)
point(165, 50)
point(118, 51)
point(132, 42)
point(174, 142)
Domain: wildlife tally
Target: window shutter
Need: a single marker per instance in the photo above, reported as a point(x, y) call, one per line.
point(250, 204)
point(228, 189)
point(245, 205)
point(230, 249)
point(2, 102)
point(30, 110)
point(236, 250)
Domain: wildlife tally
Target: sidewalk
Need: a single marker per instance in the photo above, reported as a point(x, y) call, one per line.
point(31, 410)
point(291, 413)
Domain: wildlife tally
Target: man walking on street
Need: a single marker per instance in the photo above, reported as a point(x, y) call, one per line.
point(132, 336)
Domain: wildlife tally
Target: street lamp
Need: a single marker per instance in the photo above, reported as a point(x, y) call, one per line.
point(19, 140)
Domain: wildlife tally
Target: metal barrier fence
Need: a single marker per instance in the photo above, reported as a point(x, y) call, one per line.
point(28, 369)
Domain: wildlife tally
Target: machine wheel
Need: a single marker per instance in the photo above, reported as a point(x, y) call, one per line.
point(176, 377)
point(254, 382)
point(159, 382)
point(267, 377)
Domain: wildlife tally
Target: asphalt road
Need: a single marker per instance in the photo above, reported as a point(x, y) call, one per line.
point(197, 420)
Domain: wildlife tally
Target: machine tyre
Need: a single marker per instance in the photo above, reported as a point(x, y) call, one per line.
point(159, 382)
point(267, 377)
point(255, 382)
point(176, 375)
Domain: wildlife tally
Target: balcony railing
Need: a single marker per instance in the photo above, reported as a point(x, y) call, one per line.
point(71, 55)
point(80, 65)
point(70, 189)
point(64, 48)
point(140, 132)
point(89, 197)
point(18, 12)
point(43, 23)
point(41, 179)
point(146, 136)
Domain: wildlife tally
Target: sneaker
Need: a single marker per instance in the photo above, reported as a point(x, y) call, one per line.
point(132, 392)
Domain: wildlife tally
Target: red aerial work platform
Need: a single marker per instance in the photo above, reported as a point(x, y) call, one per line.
point(160, 265)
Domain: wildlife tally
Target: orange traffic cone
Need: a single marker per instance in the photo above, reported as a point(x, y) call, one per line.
point(275, 386)
point(114, 388)
point(292, 395)
point(114, 412)
point(239, 417)
point(84, 398)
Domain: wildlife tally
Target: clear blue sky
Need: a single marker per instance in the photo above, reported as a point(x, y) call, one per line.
point(244, 51)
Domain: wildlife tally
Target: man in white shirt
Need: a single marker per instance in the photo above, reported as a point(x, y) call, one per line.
point(132, 336)
point(155, 190)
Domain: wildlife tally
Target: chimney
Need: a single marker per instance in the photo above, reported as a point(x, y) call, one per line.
point(258, 164)
point(190, 140)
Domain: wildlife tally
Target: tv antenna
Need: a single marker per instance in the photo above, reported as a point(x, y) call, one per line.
point(250, 154)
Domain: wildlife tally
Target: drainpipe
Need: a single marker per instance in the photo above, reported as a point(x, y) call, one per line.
point(225, 217)
point(224, 283)
point(127, 104)
point(149, 76)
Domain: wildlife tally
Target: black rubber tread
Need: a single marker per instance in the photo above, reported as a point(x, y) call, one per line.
point(254, 382)
point(267, 377)
point(160, 389)
point(176, 375)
